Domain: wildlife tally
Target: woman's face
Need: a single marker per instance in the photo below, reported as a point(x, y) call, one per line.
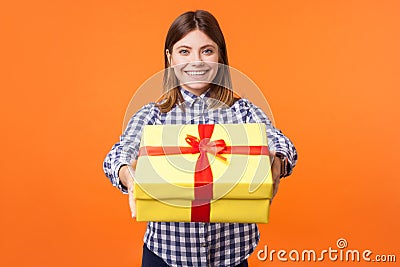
point(195, 61)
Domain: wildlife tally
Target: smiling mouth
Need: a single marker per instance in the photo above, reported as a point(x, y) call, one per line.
point(198, 73)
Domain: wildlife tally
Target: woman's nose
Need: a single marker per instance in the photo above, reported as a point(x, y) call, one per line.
point(196, 59)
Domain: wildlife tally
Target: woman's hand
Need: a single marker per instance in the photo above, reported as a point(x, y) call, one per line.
point(127, 178)
point(276, 173)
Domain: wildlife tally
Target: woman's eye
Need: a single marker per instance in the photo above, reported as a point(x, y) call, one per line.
point(183, 52)
point(208, 51)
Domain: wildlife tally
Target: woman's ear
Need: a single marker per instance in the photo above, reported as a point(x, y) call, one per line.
point(168, 56)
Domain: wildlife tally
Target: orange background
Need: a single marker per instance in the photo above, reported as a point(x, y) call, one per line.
point(329, 69)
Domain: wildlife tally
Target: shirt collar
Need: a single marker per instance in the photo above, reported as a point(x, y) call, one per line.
point(189, 97)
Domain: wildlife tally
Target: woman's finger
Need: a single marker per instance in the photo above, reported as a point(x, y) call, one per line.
point(131, 184)
point(132, 203)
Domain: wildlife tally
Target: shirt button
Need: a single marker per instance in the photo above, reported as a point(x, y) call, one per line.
point(203, 244)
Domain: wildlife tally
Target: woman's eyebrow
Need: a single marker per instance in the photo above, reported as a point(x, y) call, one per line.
point(188, 46)
point(183, 46)
point(207, 45)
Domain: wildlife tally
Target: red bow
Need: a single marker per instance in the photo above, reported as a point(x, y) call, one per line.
point(205, 145)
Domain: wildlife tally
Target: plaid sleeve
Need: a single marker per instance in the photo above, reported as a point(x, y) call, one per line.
point(126, 150)
point(277, 141)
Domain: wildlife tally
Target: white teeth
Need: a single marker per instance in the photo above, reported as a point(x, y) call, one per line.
point(196, 72)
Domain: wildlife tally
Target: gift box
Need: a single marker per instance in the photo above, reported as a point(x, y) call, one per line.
point(203, 173)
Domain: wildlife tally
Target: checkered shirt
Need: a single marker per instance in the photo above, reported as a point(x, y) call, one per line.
point(187, 243)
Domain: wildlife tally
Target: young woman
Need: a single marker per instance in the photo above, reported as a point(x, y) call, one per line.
point(196, 71)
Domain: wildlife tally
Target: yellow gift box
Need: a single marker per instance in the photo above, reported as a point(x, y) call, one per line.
point(206, 172)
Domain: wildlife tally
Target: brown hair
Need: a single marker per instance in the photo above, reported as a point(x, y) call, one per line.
point(221, 85)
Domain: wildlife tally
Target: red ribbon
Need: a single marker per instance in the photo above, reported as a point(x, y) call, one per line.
point(203, 177)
